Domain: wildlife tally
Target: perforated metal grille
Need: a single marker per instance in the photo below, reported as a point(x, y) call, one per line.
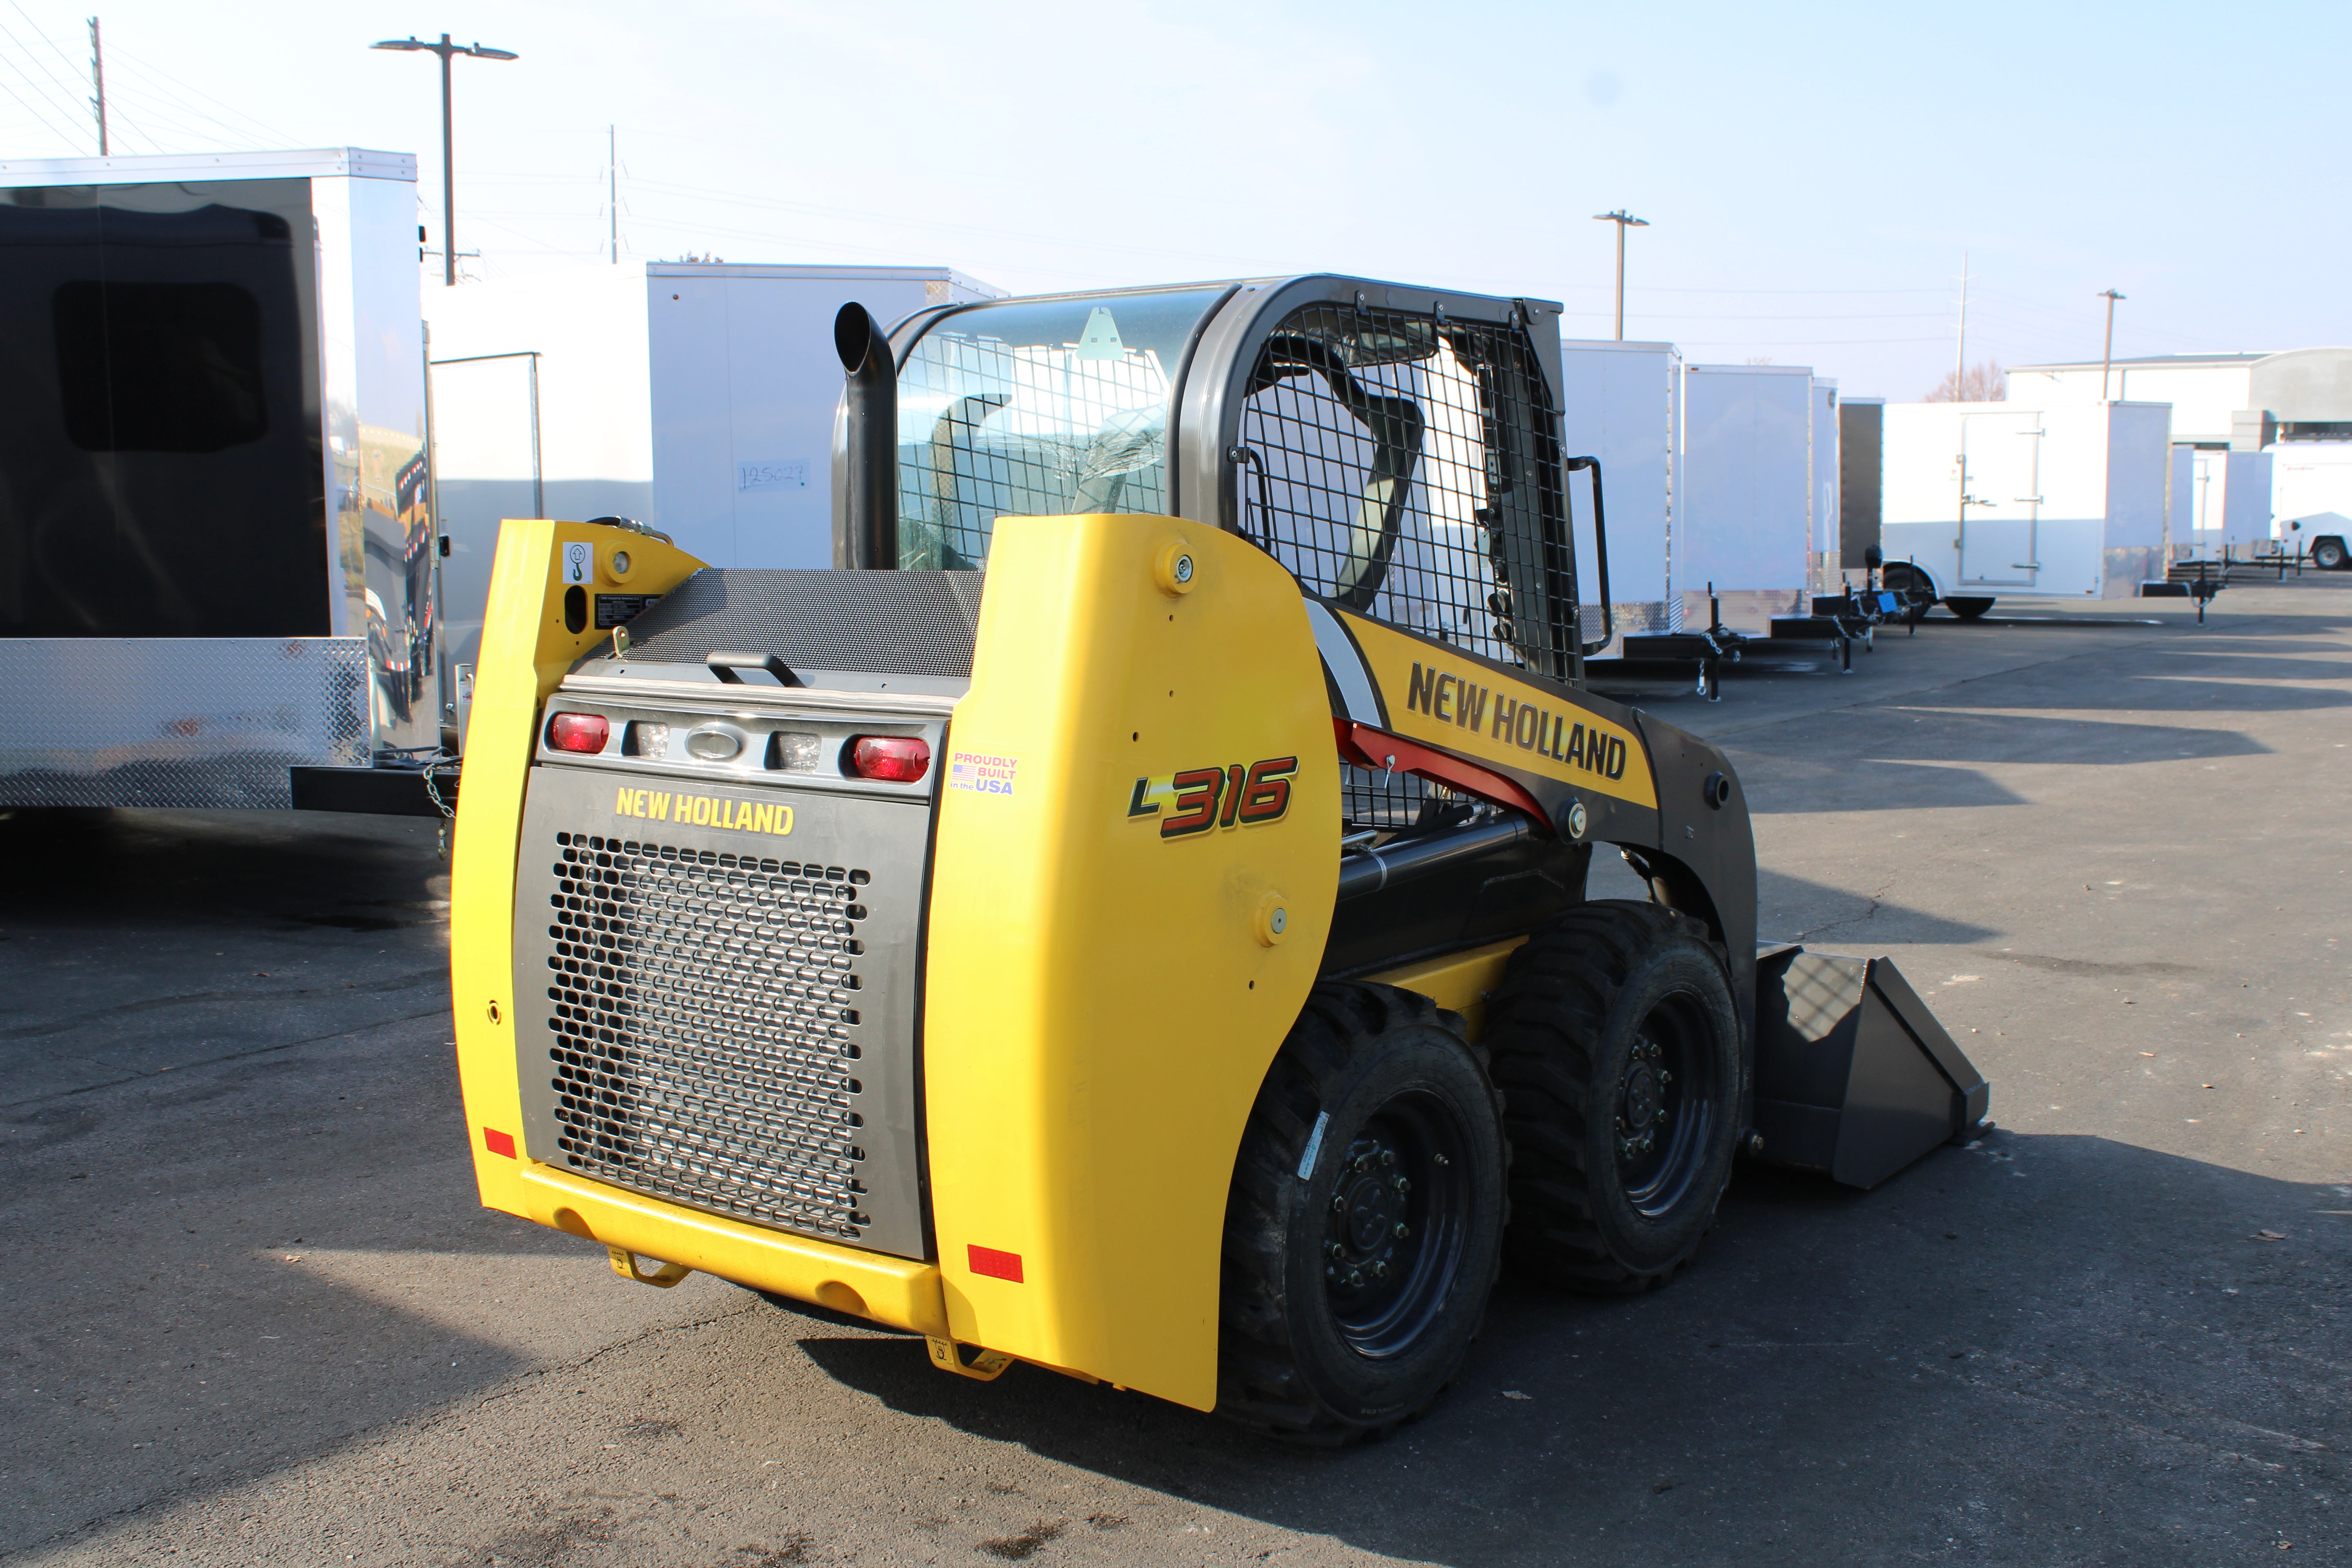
point(705, 1010)
point(1407, 466)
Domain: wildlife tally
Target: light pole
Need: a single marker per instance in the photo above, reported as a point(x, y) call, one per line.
point(2108, 355)
point(445, 48)
point(1623, 220)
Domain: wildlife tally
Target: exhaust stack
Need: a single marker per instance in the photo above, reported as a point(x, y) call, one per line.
point(869, 537)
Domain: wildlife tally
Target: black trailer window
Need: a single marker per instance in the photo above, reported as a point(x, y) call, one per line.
point(159, 367)
point(1407, 466)
point(1037, 408)
point(161, 462)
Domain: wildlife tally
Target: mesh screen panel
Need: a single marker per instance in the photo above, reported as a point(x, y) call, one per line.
point(1407, 466)
point(701, 1045)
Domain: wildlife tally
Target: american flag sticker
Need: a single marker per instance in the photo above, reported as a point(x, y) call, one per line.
point(983, 772)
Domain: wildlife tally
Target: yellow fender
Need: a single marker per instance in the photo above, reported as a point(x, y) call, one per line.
point(527, 649)
point(1109, 974)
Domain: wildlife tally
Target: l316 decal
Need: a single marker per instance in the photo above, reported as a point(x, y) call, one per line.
point(1199, 799)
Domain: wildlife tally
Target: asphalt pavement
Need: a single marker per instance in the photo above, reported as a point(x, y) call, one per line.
point(256, 1315)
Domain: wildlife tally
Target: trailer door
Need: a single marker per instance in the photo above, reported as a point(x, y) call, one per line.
point(1999, 499)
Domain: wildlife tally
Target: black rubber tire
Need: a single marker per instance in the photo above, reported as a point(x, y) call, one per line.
point(1305, 1355)
point(1576, 1002)
point(2328, 554)
point(1969, 609)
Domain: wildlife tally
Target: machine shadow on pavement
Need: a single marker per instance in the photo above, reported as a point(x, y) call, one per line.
point(2108, 1317)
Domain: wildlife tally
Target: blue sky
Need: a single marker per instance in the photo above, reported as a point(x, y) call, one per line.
point(1812, 173)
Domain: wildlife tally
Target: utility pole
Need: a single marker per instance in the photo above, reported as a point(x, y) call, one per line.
point(2107, 354)
point(613, 190)
point(1623, 220)
point(98, 80)
point(1960, 371)
point(445, 49)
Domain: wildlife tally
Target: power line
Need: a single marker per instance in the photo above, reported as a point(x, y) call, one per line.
point(182, 118)
point(167, 86)
point(72, 95)
point(38, 111)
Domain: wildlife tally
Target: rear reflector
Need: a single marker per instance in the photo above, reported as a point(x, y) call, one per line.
point(498, 1142)
point(901, 759)
point(996, 1265)
point(578, 731)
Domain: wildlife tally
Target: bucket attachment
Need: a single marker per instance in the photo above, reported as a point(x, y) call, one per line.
point(1853, 1076)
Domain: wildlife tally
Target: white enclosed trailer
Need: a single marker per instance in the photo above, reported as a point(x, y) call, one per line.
point(1743, 491)
point(1995, 500)
point(1823, 546)
point(1619, 403)
point(2311, 496)
point(216, 566)
point(698, 398)
point(2221, 500)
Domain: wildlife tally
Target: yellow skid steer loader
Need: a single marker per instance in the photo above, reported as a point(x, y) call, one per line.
point(1130, 915)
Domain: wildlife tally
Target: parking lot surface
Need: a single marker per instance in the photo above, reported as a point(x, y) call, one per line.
point(256, 1315)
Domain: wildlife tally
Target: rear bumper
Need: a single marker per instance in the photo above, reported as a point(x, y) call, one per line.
point(384, 792)
point(897, 1291)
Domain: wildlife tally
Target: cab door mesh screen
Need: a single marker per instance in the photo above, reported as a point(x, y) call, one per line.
point(1407, 467)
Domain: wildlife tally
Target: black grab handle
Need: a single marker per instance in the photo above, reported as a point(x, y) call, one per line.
point(724, 664)
point(1600, 559)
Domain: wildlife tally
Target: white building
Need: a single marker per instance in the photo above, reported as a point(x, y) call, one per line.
point(2206, 391)
point(2296, 407)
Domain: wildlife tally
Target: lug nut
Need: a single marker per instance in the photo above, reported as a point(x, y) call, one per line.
point(1379, 1270)
point(1388, 1156)
point(1401, 1231)
point(1355, 1277)
point(1402, 1185)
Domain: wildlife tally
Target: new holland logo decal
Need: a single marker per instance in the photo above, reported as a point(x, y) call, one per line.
point(704, 811)
point(1199, 799)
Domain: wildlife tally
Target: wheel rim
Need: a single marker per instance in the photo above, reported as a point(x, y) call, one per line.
point(1666, 1107)
point(1394, 1225)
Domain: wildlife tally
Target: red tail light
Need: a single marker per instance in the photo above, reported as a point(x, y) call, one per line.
point(578, 731)
point(901, 759)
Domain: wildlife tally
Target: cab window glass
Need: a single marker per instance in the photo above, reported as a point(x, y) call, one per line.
point(1037, 408)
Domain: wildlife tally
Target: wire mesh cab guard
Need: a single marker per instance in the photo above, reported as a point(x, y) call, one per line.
point(1398, 449)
